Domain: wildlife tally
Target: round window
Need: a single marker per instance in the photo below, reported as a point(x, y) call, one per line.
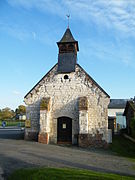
point(66, 77)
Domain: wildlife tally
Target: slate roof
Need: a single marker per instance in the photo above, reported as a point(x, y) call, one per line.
point(68, 38)
point(67, 62)
point(117, 103)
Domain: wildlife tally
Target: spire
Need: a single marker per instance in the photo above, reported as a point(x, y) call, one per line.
point(67, 57)
point(68, 38)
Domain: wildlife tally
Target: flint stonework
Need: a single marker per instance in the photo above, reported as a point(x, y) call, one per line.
point(69, 94)
point(64, 95)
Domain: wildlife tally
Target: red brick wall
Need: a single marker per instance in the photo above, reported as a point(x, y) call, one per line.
point(43, 138)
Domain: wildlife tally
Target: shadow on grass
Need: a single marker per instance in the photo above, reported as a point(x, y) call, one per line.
point(123, 147)
point(64, 174)
point(9, 164)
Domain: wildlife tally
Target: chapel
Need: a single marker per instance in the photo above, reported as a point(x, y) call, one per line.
point(67, 106)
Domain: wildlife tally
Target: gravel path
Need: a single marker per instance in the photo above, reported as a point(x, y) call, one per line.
point(15, 154)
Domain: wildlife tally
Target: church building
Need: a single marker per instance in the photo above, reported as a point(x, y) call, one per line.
point(67, 106)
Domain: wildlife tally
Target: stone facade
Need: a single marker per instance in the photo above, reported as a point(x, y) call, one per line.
point(64, 95)
point(72, 94)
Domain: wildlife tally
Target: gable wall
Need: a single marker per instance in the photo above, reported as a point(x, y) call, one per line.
point(64, 96)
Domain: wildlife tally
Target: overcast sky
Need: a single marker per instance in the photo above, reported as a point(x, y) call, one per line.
point(29, 30)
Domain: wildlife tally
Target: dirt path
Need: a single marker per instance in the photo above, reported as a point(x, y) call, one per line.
point(15, 154)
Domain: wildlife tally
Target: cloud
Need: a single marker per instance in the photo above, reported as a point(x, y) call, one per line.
point(114, 14)
point(55, 7)
point(16, 92)
point(34, 35)
point(17, 32)
point(121, 52)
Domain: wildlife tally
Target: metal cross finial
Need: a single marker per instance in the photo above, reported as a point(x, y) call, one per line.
point(68, 16)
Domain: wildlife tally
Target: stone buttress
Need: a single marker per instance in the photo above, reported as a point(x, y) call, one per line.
point(67, 105)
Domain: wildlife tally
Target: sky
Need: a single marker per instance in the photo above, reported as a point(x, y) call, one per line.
point(29, 30)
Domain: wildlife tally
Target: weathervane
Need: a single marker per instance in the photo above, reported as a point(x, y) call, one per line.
point(68, 16)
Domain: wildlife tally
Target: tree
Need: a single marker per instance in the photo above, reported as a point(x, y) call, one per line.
point(6, 113)
point(21, 110)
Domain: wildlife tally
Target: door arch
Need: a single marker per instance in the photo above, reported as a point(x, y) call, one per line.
point(64, 130)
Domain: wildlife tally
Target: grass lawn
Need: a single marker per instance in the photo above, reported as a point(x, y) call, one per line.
point(123, 147)
point(63, 174)
point(13, 123)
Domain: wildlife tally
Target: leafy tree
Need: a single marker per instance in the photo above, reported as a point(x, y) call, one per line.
point(21, 109)
point(6, 113)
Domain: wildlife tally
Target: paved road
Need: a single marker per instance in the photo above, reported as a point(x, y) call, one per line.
point(15, 154)
point(11, 133)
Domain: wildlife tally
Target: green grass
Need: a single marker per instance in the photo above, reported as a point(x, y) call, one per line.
point(13, 123)
point(123, 147)
point(63, 174)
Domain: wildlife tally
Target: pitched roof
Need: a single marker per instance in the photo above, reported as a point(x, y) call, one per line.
point(129, 104)
point(132, 104)
point(68, 38)
point(117, 103)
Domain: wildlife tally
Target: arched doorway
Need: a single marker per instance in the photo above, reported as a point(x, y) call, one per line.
point(64, 130)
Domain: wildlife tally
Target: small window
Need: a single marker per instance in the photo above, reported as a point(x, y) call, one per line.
point(64, 126)
point(71, 48)
point(66, 77)
point(63, 49)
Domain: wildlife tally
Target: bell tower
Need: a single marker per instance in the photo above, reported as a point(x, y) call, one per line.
point(67, 57)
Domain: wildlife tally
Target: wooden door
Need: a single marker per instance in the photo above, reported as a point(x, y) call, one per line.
point(64, 130)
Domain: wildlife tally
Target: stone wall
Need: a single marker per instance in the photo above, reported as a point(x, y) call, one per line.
point(88, 140)
point(64, 97)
